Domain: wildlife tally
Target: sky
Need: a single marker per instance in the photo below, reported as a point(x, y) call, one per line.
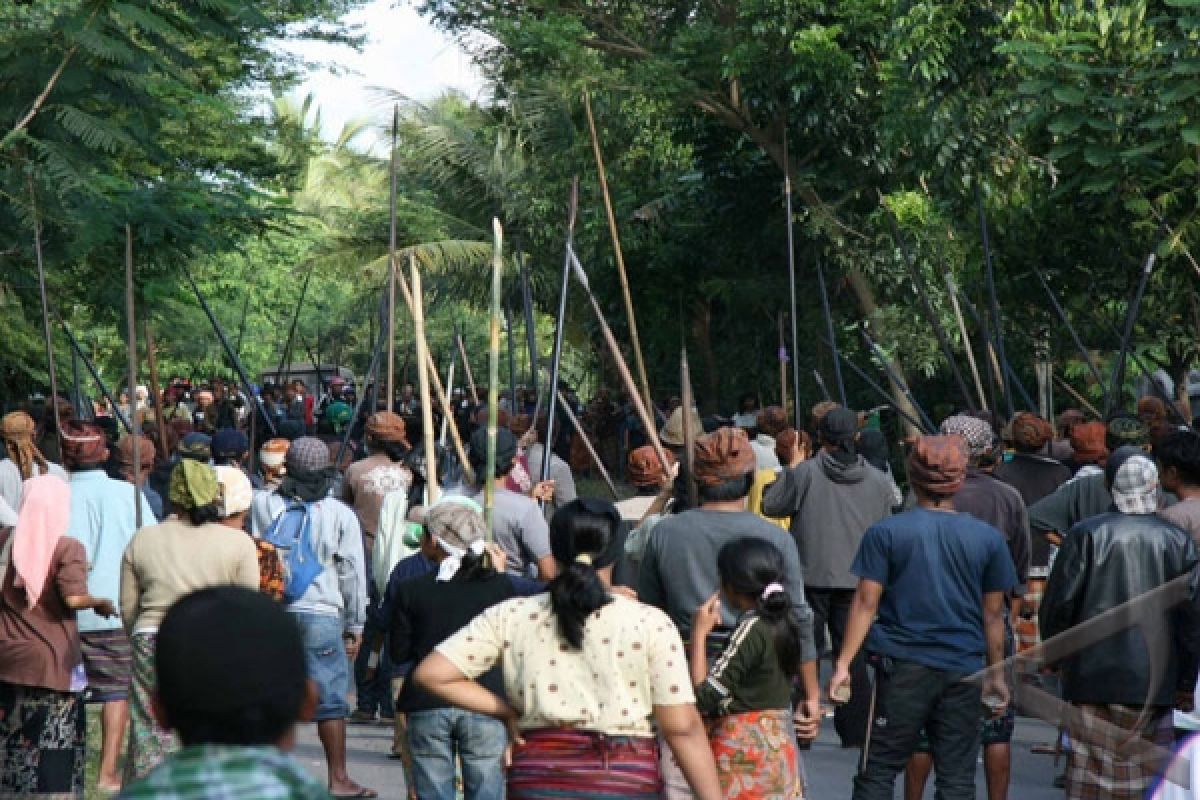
point(403, 53)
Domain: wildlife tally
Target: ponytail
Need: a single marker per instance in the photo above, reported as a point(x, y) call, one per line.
point(580, 534)
point(754, 567)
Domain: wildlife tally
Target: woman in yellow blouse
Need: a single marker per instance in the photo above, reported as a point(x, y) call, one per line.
point(589, 675)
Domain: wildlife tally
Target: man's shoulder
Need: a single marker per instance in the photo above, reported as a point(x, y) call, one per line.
point(212, 772)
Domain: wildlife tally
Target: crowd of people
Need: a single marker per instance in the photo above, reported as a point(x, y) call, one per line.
point(239, 568)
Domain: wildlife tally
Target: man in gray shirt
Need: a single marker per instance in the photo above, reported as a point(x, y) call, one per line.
point(679, 567)
point(518, 525)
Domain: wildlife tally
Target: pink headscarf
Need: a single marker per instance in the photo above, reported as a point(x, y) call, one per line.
point(41, 522)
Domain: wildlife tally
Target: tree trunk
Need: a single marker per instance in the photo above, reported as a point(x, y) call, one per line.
point(702, 332)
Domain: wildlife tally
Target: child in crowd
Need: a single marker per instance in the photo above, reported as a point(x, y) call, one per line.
point(747, 691)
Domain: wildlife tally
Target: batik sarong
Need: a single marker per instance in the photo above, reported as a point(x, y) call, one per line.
point(553, 764)
point(756, 755)
point(42, 740)
point(148, 743)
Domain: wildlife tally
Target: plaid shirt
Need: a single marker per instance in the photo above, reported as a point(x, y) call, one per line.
point(223, 772)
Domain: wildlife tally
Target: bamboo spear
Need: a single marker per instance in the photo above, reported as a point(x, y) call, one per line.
point(952, 291)
point(895, 378)
point(418, 316)
point(392, 267)
point(462, 351)
point(783, 362)
point(1062, 315)
point(455, 436)
point(791, 258)
point(131, 331)
point(91, 368)
point(995, 305)
point(489, 485)
point(635, 340)
point(618, 359)
point(1078, 397)
point(587, 443)
point(156, 391)
point(885, 396)
point(1115, 388)
point(689, 429)
point(41, 268)
point(837, 366)
point(559, 326)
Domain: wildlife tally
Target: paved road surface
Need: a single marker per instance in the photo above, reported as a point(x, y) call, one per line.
point(829, 767)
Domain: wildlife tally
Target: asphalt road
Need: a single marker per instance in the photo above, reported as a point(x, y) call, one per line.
point(829, 767)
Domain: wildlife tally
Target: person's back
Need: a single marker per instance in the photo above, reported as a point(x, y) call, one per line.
point(231, 683)
point(999, 505)
point(1107, 561)
point(679, 566)
point(933, 564)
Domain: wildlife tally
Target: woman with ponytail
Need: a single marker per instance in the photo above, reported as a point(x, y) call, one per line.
point(589, 674)
point(747, 691)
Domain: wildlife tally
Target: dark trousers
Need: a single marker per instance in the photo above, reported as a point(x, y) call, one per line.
point(832, 607)
point(374, 695)
point(908, 697)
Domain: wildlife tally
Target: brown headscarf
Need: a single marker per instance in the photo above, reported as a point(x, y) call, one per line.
point(83, 443)
point(938, 464)
point(1030, 433)
point(723, 455)
point(385, 426)
point(17, 429)
point(645, 468)
point(1088, 441)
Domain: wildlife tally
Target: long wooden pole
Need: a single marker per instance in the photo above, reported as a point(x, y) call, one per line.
point(91, 368)
point(134, 419)
point(962, 331)
point(837, 365)
point(635, 340)
point(689, 429)
point(560, 322)
point(587, 444)
point(783, 369)
point(392, 268)
point(46, 332)
point(156, 391)
point(994, 304)
point(1115, 383)
point(418, 314)
point(791, 262)
point(489, 485)
point(614, 349)
point(462, 352)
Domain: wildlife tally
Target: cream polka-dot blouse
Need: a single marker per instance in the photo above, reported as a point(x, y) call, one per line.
point(632, 660)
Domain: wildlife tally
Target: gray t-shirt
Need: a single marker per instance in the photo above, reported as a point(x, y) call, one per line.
point(1185, 514)
point(679, 566)
point(520, 529)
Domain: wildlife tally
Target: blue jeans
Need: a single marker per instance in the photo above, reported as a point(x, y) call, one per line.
point(326, 663)
point(435, 737)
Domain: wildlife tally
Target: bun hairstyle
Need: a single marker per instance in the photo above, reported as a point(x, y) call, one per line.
point(754, 568)
point(581, 534)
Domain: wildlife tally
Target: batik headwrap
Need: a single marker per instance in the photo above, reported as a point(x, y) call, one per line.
point(193, 484)
point(1030, 432)
point(977, 433)
point(17, 429)
point(938, 464)
point(724, 454)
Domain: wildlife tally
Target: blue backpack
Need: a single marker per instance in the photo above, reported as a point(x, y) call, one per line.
point(290, 533)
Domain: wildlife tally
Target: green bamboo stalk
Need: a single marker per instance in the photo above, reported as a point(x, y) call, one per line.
point(489, 485)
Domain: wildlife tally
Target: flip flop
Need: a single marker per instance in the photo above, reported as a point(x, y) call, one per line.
point(363, 792)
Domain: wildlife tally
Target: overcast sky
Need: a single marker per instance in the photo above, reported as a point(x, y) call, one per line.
point(403, 52)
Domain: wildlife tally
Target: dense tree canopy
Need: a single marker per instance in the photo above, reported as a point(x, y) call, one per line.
point(1073, 128)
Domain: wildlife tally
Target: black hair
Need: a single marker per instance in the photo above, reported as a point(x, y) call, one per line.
point(200, 515)
point(247, 691)
point(396, 451)
point(748, 566)
point(727, 490)
point(583, 527)
point(474, 568)
point(1180, 449)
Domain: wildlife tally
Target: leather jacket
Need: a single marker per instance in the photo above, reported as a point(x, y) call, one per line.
point(1108, 560)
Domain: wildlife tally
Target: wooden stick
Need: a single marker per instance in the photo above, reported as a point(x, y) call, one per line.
point(418, 316)
point(489, 484)
point(41, 268)
point(962, 331)
point(134, 420)
point(783, 397)
point(689, 430)
point(391, 330)
point(468, 473)
point(1078, 397)
point(559, 324)
point(622, 368)
point(155, 390)
point(462, 352)
point(587, 443)
point(635, 340)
